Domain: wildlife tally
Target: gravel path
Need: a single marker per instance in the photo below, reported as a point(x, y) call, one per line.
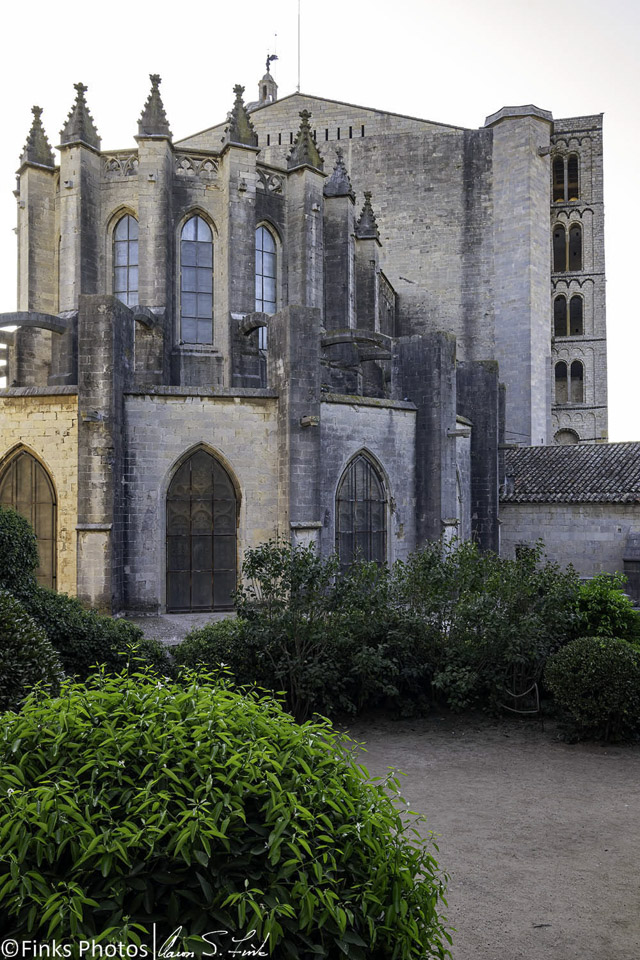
point(541, 839)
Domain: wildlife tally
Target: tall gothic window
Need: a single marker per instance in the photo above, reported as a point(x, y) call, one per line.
point(201, 536)
point(266, 278)
point(125, 260)
point(196, 281)
point(361, 514)
point(26, 487)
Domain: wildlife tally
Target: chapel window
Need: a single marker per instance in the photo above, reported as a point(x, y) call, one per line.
point(560, 316)
point(559, 249)
point(361, 514)
point(562, 392)
point(26, 487)
point(125, 260)
point(196, 281)
point(576, 323)
point(573, 186)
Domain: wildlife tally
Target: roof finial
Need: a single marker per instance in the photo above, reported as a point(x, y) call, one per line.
point(239, 129)
point(339, 184)
point(37, 148)
point(366, 227)
point(153, 120)
point(80, 125)
point(304, 150)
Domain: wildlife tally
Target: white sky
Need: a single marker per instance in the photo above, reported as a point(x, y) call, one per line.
point(455, 62)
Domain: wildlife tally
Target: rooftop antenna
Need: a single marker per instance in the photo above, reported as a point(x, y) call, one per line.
point(298, 87)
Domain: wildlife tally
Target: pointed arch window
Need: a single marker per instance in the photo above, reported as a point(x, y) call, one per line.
point(361, 514)
point(196, 281)
point(201, 536)
point(266, 278)
point(25, 486)
point(125, 260)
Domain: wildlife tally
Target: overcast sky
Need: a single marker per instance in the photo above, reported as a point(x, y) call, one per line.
point(454, 62)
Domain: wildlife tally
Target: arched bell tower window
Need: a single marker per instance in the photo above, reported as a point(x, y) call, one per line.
point(577, 382)
point(567, 252)
point(566, 178)
point(562, 391)
point(196, 281)
point(559, 249)
point(569, 382)
point(25, 486)
point(201, 536)
point(560, 316)
point(575, 247)
point(361, 514)
point(573, 185)
point(576, 322)
point(125, 260)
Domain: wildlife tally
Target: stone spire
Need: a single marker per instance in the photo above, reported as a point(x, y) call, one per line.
point(304, 151)
point(37, 149)
point(239, 129)
point(153, 120)
point(366, 227)
point(339, 184)
point(80, 125)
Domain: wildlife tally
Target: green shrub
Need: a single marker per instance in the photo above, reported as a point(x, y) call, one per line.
point(84, 638)
point(26, 656)
point(596, 681)
point(605, 610)
point(18, 553)
point(220, 643)
point(194, 806)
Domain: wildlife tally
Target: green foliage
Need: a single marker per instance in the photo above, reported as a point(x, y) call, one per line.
point(26, 656)
point(221, 644)
point(494, 617)
point(191, 805)
point(84, 638)
point(605, 610)
point(18, 553)
point(596, 681)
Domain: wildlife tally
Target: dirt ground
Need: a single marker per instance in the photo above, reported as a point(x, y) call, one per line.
point(540, 838)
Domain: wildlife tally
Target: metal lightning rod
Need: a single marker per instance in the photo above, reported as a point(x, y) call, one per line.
point(298, 46)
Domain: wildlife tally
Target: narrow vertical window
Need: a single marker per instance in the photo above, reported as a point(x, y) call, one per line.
point(577, 382)
point(559, 249)
point(25, 486)
point(266, 271)
point(560, 316)
point(196, 281)
point(576, 324)
point(575, 247)
point(125, 260)
point(573, 185)
point(562, 393)
point(558, 180)
point(361, 514)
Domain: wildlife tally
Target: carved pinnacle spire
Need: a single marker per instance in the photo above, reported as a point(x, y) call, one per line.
point(339, 184)
point(304, 150)
point(153, 120)
point(80, 125)
point(37, 149)
point(366, 227)
point(239, 129)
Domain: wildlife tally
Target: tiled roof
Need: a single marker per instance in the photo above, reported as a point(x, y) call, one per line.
point(594, 473)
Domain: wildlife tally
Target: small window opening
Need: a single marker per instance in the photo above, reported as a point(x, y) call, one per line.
point(562, 394)
point(268, 139)
point(558, 179)
point(575, 247)
point(314, 136)
point(338, 134)
point(572, 178)
point(264, 91)
point(577, 382)
point(362, 130)
point(576, 325)
point(560, 317)
point(326, 134)
point(559, 249)
point(290, 137)
point(350, 133)
point(279, 139)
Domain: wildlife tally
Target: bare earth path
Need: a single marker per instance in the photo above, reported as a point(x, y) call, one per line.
point(541, 839)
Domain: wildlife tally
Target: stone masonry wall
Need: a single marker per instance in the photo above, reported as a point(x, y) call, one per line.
point(591, 536)
point(163, 426)
point(386, 430)
point(45, 422)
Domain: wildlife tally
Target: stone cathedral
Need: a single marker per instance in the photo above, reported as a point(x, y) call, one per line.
point(313, 320)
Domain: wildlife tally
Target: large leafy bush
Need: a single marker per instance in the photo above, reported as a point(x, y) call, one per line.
point(596, 681)
point(18, 553)
point(605, 610)
point(190, 805)
point(26, 656)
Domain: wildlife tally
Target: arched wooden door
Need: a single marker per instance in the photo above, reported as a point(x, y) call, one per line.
point(361, 514)
point(201, 536)
point(26, 487)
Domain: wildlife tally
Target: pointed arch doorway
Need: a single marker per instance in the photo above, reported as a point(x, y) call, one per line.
point(202, 509)
point(26, 486)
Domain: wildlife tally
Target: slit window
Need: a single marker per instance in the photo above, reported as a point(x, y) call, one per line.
point(196, 281)
point(125, 260)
